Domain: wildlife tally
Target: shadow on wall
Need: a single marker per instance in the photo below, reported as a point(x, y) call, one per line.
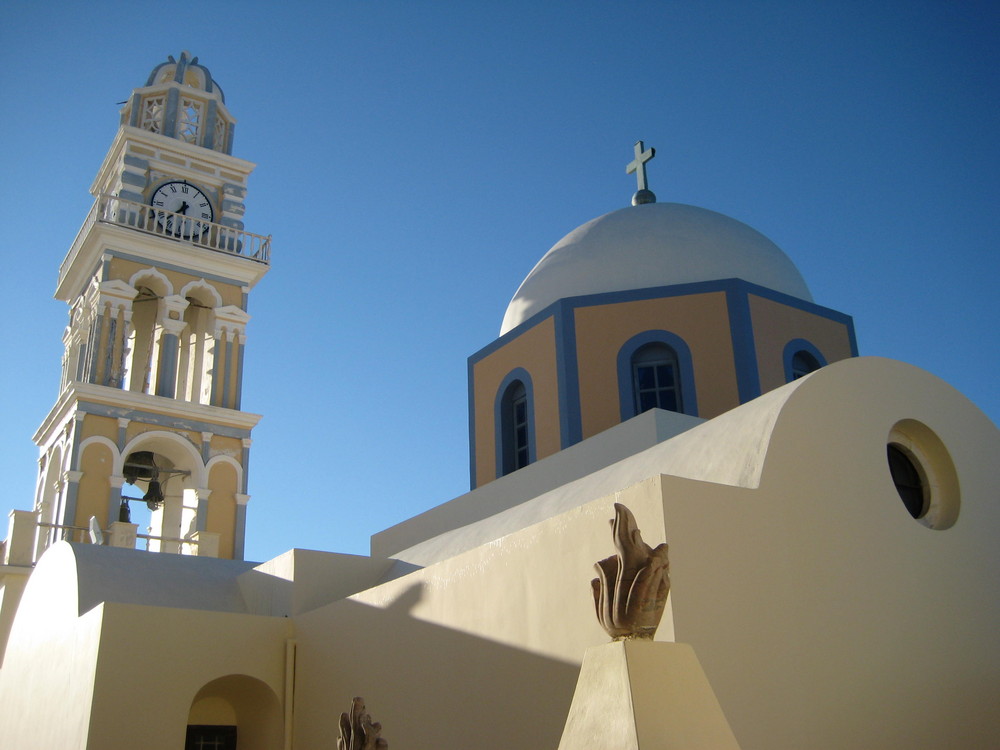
point(428, 685)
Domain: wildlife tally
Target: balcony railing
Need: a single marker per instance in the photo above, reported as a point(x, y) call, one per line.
point(110, 209)
point(27, 538)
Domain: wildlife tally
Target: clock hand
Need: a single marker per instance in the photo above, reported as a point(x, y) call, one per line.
point(183, 209)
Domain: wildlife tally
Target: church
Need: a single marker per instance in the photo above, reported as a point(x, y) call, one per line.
point(831, 518)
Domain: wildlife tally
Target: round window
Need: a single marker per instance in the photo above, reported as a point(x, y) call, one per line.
point(923, 474)
point(909, 484)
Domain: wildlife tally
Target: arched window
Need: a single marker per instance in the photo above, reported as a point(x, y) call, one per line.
point(514, 413)
point(515, 428)
point(655, 378)
point(655, 371)
point(803, 363)
point(801, 358)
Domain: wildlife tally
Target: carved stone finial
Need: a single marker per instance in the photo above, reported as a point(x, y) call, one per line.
point(358, 731)
point(631, 590)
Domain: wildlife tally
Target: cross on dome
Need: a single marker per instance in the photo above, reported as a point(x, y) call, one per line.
point(638, 165)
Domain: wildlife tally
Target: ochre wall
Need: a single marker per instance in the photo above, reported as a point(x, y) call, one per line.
point(222, 480)
point(96, 462)
point(776, 324)
point(119, 268)
point(701, 320)
point(535, 351)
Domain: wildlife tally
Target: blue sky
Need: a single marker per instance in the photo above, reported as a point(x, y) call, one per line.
point(415, 159)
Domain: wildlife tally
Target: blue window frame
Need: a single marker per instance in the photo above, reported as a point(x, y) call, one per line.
point(655, 371)
point(801, 358)
point(515, 429)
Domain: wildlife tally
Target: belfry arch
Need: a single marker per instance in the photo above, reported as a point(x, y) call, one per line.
point(179, 492)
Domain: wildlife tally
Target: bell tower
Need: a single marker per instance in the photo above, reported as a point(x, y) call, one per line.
point(157, 282)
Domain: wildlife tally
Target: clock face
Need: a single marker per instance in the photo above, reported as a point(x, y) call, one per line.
point(190, 210)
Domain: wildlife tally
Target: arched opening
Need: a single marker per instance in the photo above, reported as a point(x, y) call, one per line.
point(49, 501)
point(656, 379)
point(656, 371)
point(803, 363)
point(514, 423)
point(197, 347)
point(801, 358)
point(235, 709)
point(142, 339)
point(163, 471)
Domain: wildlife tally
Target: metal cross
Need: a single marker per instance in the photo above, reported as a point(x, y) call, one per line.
point(638, 165)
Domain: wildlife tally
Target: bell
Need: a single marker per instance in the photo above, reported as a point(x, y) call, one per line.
point(124, 512)
point(154, 495)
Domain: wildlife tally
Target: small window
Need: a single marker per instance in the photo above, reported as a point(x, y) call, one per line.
point(801, 357)
point(210, 737)
point(923, 474)
point(803, 363)
point(909, 483)
point(655, 381)
point(514, 416)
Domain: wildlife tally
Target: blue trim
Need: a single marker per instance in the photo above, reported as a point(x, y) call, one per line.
point(246, 468)
point(170, 267)
point(472, 425)
point(744, 346)
point(72, 497)
point(161, 420)
point(676, 290)
point(216, 372)
point(240, 351)
point(626, 395)
point(133, 118)
point(567, 378)
point(170, 113)
point(795, 346)
point(522, 375)
point(228, 355)
point(165, 377)
point(240, 532)
point(211, 114)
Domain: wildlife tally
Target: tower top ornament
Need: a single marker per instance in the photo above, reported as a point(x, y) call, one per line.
point(638, 165)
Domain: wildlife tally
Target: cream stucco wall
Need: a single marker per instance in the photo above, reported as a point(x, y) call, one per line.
point(823, 614)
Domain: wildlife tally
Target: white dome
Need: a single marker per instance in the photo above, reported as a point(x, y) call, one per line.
point(650, 245)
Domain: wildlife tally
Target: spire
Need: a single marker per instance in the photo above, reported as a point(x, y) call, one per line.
point(638, 165)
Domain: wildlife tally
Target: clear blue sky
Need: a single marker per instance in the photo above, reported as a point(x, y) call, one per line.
point(417, 158)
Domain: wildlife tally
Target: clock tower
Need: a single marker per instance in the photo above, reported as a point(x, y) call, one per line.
point(157, 283)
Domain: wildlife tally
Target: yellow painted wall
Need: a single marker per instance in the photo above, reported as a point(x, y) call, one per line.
point(107, 427)
point(775, 324)
point(136, 428)
point(223, 482)
point(120, 268)
point(535, 351)
point(702, 320)
point(97, 463)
